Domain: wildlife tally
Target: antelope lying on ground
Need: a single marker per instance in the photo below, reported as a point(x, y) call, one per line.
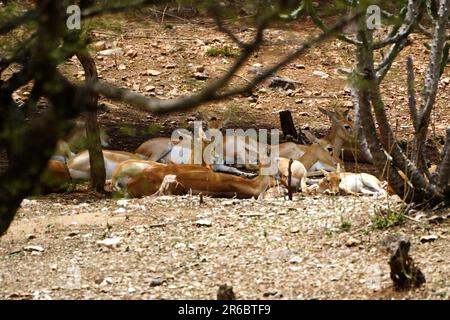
point(197, 179)
point(80, 168)
point(56, 177)
point(340, 135)
point(349, 183)
point(127, 170)
point(298, 173)
point(165, 150)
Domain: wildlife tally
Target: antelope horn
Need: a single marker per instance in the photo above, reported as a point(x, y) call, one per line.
point(310, 136)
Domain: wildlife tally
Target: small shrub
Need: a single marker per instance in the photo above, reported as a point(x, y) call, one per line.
point(345, 226)
point(221, 52)
point(385, 218)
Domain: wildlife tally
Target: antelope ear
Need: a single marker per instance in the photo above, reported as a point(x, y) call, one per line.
point(310, 136)
point(338, 170)
point(346, 114)
point(325, 173)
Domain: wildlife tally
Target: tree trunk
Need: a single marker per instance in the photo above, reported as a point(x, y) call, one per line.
point(97, 163)
point(288, 126)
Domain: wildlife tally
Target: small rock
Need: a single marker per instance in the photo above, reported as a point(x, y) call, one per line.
point(33, 248)
point(295, 260)
point(110, 52)
point(429, 238)
point(31, 236)
point(131, 290)
point(270, 292)
point(299, 66)
point(352, 242)
point(149, 88)
point(256, 68)
point(139, 229)
point(73, 234)
point(295, 230)
point(321, 74)
point(122, 202)
point(106, 281)
point(203, 223)
point(120, 210)
point(110, 242)
point(122, 67)
point(201, 75)
point(229, 202)
point(157, 282)
point(152, 73)
point(131, 53)
point(170, 66)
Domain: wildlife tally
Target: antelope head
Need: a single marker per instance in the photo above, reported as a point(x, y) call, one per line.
point(330, 183)
point(341, 123)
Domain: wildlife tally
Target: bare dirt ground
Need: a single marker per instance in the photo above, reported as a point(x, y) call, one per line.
point(174, 247)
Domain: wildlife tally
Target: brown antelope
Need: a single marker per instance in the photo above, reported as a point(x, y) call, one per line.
point(56, 177)
point(127, 170)
point(350, 183)
point(80, 168)
point(340, 135)
point(197, 179)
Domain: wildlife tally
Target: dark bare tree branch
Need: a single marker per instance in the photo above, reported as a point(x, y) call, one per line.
point(412, 17)
point(444, 168)
point(411, 93)
point(431, 82)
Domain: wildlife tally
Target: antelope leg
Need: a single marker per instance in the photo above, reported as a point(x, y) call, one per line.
point(232, 170)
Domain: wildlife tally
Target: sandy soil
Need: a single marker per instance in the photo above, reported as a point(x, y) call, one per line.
point(174, 247)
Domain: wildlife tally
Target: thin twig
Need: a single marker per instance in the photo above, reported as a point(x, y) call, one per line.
point(236, 75)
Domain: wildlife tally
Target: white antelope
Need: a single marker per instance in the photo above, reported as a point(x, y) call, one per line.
point(80, 167)
point(350, 183)
point(298, 173)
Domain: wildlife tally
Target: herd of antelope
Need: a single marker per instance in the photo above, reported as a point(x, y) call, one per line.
point(151, 171)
